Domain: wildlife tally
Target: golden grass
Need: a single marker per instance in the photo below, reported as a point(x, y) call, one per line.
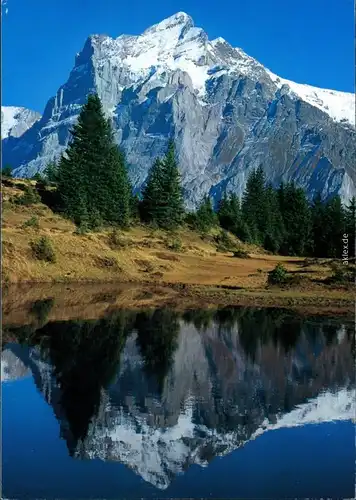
point(143, 256)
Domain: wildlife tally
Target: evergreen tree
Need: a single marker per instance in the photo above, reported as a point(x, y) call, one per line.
point(119, 189)
point(51, 172)
point(231, 217)
point(224, 213)
point(7, 171)
point(205, 216)
point(172, 190)
point(135, 208)
point(162, 201)
point(254, 206)
point(229, 212)
point(334, 227)
point(92, 178)
point(152, 206)
point(274, 231)
point(350, 222)
point(319, 241)
point(296, 215)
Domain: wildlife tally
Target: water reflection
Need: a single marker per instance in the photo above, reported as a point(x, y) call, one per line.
point(159, 391)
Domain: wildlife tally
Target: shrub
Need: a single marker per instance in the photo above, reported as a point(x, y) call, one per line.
point(29, 197)
point(342, 275)
point(81, 229)
point(7, 171)
point(278, 275)
point(115, 240)
point(175, 245)
point(224, 242)
point(32, 222)
point(241, 254)
point(42, 249)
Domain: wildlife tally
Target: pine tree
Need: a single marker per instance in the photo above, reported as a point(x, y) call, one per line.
point(254, 206)
point(296, 215)
point(119, 189)
point(7, 171)
point(92, 177)
point(319, 243)
point(152, 205)
point(51, 172)
point(350, 222)
point(172, 190)
point(335, 227)
point(274, 227)
point(162, 202)
point(205, 216)
point(231, 217)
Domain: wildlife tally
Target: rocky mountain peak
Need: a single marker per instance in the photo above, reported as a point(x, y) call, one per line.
point(181, 20)
point(16, 120)
point(227, 113)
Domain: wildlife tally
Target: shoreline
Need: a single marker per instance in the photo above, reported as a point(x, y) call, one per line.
point(92, 299)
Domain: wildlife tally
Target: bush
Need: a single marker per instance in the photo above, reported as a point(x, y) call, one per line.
point(241, 254)
point(7, 171)
point(115, 240)
point(32, 222)
point(224, 242)
point(278, 276)
point(29, 197)
point(175, 245)
point(42, 249)
point(82, 229)
point(342, 275)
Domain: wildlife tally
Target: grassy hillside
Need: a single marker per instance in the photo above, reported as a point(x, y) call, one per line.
point(144, 255)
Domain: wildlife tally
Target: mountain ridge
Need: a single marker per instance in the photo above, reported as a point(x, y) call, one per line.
point(16, 120)
point(227, 113)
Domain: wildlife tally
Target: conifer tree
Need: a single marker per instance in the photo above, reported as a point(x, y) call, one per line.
point(296, 215)
point(334, 227)
point(225, 216)
point(319, 236)
point(254, 205)
point(350, 222)
point(92, 177)
point(172, 190)
point(231, 217)
point(119, 189)
point(51, 172)
point(162, 201)
point(6, 171)
point(274, 230)
point(205, 215)
point(152, 206)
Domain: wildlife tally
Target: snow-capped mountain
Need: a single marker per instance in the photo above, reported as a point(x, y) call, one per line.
point(227, 113)
point(215, 397)
point(15, 121)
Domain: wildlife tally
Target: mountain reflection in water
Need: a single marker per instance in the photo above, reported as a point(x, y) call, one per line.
point(159, 391)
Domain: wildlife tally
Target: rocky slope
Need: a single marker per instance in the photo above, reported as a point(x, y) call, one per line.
point(227, 113)
point(16, 121)
point(215, 398)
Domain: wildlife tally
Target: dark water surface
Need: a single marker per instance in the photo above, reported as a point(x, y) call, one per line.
point(235, 403)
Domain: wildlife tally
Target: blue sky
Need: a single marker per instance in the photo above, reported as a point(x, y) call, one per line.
point(308, 41)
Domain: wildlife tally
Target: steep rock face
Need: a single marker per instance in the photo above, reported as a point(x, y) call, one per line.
point(227, 113)
point(16, 121)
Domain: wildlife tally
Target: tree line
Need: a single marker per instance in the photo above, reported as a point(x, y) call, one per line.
point(93, 189)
